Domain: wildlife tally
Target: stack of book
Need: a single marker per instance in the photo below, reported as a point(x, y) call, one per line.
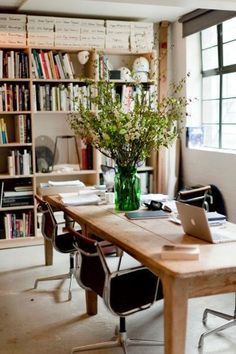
point(17, 198)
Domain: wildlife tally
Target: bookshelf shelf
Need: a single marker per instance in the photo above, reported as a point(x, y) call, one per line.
point(21, 242)
point(14, 112)
point(58, 174)
point(25, 207)
point(82, 81)
point(14, 145)
point(16, 80)
point(7, 176)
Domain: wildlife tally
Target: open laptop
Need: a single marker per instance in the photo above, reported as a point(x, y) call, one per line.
point(195, 223)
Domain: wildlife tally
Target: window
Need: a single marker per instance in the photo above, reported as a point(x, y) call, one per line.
point(218, 55)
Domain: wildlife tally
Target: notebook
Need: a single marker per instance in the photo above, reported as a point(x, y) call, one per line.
point(146, 214)
point(195, 223)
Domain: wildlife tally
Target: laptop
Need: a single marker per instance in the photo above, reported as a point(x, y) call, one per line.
point(195, 223)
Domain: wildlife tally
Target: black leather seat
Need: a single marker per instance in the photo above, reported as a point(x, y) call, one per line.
point(124, 291)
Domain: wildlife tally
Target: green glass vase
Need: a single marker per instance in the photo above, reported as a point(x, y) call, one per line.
point(127, 189)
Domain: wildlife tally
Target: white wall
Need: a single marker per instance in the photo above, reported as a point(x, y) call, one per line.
point(200, 166)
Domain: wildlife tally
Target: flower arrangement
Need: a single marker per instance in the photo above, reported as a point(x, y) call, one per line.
point(128, 129)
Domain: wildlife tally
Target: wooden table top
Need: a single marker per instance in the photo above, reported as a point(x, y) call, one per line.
point(143, 239)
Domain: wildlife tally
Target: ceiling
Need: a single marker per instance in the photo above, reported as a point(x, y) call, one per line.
point(143, 10)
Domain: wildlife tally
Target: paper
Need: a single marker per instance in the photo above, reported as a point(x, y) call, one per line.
point(80, 199)
point(66, 183)
point(146, 198)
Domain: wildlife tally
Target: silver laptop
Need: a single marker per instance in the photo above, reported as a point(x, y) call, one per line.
point(195, 223)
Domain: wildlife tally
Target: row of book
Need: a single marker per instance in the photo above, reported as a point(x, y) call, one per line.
point(22, 126)
point(3, 132)
point(14, 64)
point(19, 163)
point(62, 97)
point(49, 65)
point(14, 97)
point(20, 224)
point(129, 93)
point(67, 97)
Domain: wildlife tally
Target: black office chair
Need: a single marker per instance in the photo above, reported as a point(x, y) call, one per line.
point(123, 291)
point(199, 196)
point(230, 318)
point(63, 243)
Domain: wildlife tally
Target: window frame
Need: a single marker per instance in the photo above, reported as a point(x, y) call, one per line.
point(220, 71)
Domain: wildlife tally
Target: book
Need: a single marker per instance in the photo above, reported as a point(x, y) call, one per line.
point(17, 201)
point(17, 193)
point(146, 214)
point(1, 193)
point(214, 216)
point(180, 252)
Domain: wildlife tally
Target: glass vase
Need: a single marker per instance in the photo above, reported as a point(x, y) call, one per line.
point(127, 189)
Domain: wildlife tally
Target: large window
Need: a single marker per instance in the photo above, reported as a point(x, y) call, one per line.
point(218, 49)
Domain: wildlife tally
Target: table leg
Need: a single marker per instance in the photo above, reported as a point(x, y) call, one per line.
point(91, 302)
point(90, 296)
point(175, 314)
point(48, 252)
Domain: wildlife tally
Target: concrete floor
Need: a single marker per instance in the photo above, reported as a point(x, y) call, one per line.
point(41, 321)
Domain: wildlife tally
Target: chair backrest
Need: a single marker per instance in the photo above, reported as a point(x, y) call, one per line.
point(196, 196)
point(123, 291)
point(49, 224)
point(91, 269)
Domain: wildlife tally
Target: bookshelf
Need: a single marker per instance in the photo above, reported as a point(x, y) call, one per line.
point(38, 87)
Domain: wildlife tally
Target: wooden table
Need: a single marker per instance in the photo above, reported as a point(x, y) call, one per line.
point(213, 273)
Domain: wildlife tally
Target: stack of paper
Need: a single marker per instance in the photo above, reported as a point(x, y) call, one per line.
point(66, 183)
point(82, 198)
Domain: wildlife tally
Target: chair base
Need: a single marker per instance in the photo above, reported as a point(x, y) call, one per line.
point(58, 277)
point(121, 340)
point(231, 319)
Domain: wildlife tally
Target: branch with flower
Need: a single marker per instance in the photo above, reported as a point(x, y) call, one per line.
point(129, 135)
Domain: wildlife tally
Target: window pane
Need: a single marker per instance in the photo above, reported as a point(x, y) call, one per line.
point(210, 111)
point(228, 136)
point(211, 136)
point(229, 53)
point(209, 37)
point(210, 87)
point(229, 30)
point(229, 85)
point(229, 111)
point(210, 59)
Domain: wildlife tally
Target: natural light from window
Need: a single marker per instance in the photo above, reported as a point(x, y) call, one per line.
point(218, 87)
